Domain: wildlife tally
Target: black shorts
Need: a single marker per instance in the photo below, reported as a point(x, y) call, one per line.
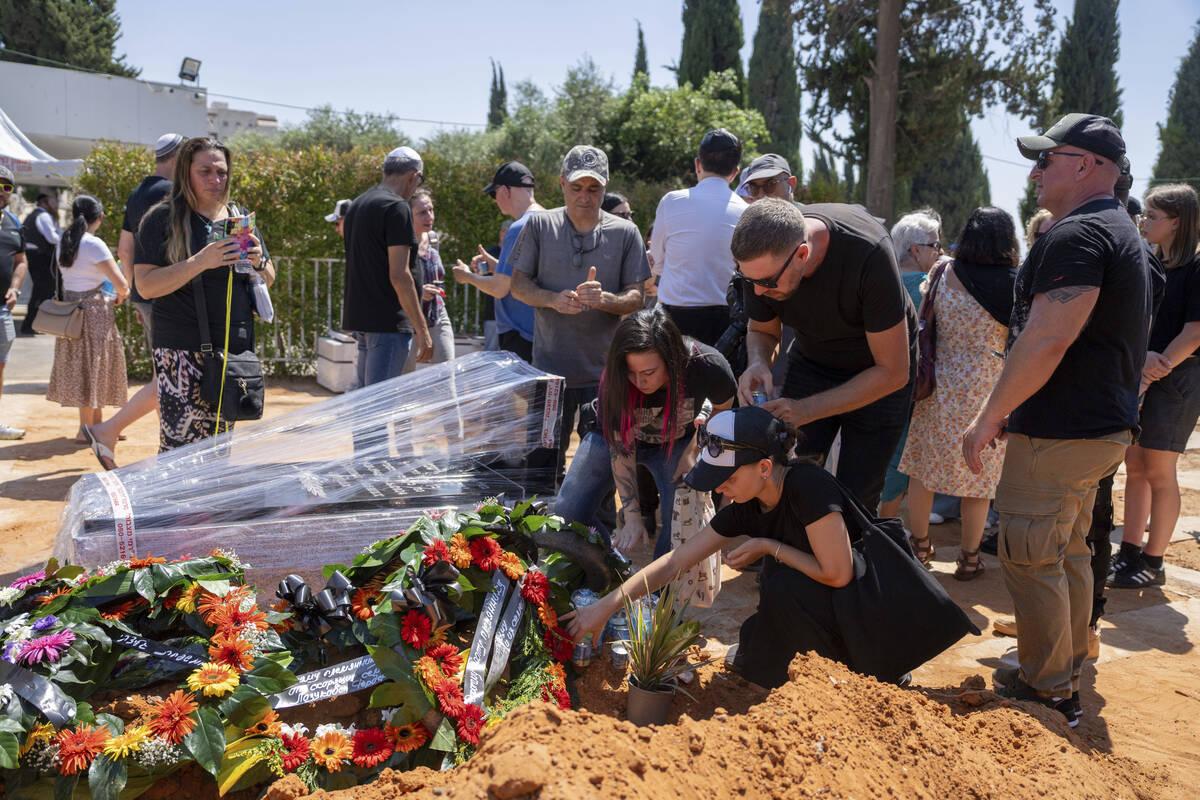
point(1170, 409)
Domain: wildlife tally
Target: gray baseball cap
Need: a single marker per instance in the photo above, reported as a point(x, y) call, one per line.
point(7, 174)
point(767, 166)
point(585, 161)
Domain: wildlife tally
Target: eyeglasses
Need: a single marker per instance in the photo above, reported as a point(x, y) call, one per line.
point(420, 179)
point(1043, 159)
point(772, 282)
point(6, 187)
point(759, 188)
point(935, 245)
point(623, 214)
point(715, 445)
point(580, 250)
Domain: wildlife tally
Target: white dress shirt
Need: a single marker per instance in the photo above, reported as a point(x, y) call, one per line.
point(692, 230)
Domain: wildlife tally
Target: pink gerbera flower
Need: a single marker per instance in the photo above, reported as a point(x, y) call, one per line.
point(46, 648)
point(25, 581)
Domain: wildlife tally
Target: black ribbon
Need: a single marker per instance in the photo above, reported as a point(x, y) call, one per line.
point(40, 692)
point(321, 612)
point(428, 590)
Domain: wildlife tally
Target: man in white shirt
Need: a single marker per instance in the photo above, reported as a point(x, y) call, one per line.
point(692, 230)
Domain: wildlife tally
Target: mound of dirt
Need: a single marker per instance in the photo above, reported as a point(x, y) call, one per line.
point(829, 732)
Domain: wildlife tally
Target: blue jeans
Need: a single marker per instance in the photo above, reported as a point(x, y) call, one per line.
point(380, 356)
point(589, 482)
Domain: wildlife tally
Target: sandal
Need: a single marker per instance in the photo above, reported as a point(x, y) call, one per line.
point(970, 565)
point(922, 548)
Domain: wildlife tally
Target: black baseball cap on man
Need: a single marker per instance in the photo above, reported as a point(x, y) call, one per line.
point(511, 173)
point(1096, 134)
point(720, 139)
point(754, 435)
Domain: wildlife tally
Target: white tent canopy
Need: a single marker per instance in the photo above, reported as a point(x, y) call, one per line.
point(29, 163)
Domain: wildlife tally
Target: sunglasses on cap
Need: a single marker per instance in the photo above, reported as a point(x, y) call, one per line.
point(772, 282)
point(715, 445)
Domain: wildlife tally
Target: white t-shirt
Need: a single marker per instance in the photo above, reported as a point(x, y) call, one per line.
point(85, 274)
point(692, 231)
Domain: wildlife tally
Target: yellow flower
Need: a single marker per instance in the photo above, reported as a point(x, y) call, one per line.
point(186, 603)
point(126, 744)
point(213, 680)
point(41, 733)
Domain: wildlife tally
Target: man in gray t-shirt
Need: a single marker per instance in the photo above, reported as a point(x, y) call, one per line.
point(580, 269)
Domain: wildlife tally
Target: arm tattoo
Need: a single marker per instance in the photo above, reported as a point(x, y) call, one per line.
point(1065, 294)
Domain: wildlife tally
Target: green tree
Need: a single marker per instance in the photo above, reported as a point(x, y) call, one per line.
point(954, 183)
point(772, 88)
point(81, 33)
point(641, 63)
point(1085, 73)
point(497, 99)
point(952, 55)
point(341, 131)
point(712, 42)
point(1179, 137)
point(824, 184)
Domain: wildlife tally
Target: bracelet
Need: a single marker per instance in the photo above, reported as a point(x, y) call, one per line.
point(777, 550)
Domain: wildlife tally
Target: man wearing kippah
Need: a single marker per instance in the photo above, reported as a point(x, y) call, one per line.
point(12, 275)
point(1067, 399)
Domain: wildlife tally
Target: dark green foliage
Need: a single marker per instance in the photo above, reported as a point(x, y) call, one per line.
point(497, 98)
point(954, 183)
point(824, 183)
point(82, 33)
point(712, 41)
point(641, 64)
point(772, 88)
point(1180, 136)
point(341, 131)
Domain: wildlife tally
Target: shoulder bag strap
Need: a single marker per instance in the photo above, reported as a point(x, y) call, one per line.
point(935, 281)
point(201, 314)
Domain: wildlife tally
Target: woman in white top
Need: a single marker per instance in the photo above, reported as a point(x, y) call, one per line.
point(89, 372)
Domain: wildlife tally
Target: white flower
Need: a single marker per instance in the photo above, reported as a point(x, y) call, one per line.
point(6, 694)
point(292, 730)
point(13, 624)
point(8, 594)
point(332, 727)
point(387, 714)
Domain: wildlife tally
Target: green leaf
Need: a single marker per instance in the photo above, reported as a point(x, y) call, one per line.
point(244, 706)
point(64, 786)
point(407, 697)
point(107, 778)
point(219, 587)
point(143, 584)
point(113, 723)
point(9, 748)
point(268, 677)
point(386, 629)
point(206, 742)
point(328, 570)
point(534, 522)
point(520, 509)
point(69, 572)
point(84, 715)
point(444, 738)
point(392, 663)
point(110, 587)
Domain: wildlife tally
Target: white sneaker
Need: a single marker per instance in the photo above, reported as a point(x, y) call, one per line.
point(936, 518)
point(8, 432)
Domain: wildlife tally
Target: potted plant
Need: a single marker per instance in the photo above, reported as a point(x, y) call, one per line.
point(658, 640)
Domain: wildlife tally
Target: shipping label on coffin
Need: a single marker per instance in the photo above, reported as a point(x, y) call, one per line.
point(332, 681)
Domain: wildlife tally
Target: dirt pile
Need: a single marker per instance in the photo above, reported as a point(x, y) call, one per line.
point(828, 733)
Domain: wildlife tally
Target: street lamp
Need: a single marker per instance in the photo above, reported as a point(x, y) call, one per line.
point(189, 70)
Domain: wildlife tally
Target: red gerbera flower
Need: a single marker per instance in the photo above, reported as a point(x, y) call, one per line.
point(485, 553)
point(435, 552)
point(469, 724)
point(415, 629)
point(556, 694)
point(297, 750)
point(450, 697)
point(230, 651)
point(172, 717)
point(559, 643)
point(447, 657)
point(407, 738)
point(535, 587)
point(371, 747)
point(77, 748)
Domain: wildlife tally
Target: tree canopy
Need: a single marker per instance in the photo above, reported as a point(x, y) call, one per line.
point(340, 131)
point(772, 88)
point(712, 42)
point(954, 184)
point(497, 98)
point(81, 33)
point(641, 62)
point(1179, 136)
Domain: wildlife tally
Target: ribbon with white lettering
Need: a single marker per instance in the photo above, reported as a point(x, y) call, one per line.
point(331, 681)
point(481, 645)
point(552, 411)
point(44, 695)
point(506, 633)
point(122, 510)
point(159, 650)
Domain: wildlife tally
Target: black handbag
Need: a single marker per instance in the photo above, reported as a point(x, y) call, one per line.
point(894, 616)
point(232, 382)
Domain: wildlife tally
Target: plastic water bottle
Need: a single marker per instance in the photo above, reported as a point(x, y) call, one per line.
point(109, 292)
point(617, 633)
point(582, 655)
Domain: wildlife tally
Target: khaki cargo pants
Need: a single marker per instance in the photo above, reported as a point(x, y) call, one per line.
point(1044, 499)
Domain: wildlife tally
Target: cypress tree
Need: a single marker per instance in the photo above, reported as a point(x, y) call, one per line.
point(772, 88)
point(1085, 72)
point(497, 99)
point(641, 64)
point(712, 41)
point(1179, 138)
point(954, 184)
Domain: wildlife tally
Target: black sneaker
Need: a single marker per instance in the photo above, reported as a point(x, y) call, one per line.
point(1138, 575)
point(990, 543)
point(1078, 705)
point(1009, 684)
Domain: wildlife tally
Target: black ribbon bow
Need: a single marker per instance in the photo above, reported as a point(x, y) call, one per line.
point(318, 613)
point(428, 590)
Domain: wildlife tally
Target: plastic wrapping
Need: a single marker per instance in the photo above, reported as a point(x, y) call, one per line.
point(316, 485)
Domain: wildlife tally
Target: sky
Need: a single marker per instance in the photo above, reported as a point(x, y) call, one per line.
point(430, 62)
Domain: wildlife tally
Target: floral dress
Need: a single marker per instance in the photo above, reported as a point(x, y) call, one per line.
point(970, 344)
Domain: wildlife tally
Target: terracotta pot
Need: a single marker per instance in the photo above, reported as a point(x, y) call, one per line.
point(647, 708)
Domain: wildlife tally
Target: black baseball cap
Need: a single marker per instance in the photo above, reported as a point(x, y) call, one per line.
point(511, 173)
point(767, 166)
point(1096, 134)
point(720, 139)
point(749, 426)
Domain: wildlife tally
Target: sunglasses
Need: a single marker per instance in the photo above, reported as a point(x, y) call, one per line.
point(935, 245)
point(1043, 159)
point(580, 250)
point(6, 187)
point(623, 214)
point(715, 445)
point(772, 282)
point(757, 188)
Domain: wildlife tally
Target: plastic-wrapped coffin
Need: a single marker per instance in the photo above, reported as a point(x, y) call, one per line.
point(316, 485)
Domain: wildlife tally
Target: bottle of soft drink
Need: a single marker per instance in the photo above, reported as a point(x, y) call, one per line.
point(582, 655)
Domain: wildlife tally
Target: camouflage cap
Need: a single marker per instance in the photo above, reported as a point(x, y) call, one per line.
point(585, 161)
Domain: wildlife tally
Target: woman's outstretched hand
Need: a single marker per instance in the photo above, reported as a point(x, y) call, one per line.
point(589, 619)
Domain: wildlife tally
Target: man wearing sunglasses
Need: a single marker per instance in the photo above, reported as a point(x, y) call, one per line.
point(1067, 399)
point(829, 271)
point(580, 270)
point(12, 275)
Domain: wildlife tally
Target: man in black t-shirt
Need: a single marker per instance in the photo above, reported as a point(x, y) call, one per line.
point(829, 271)
point(382, 306)
point(1068, 397)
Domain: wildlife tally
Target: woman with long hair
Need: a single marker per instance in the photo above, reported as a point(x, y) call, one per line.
point(971, 306)
point(1171, 382)
point(89, 372)
point(179, 247)
point(656, 383)
point(433, 290)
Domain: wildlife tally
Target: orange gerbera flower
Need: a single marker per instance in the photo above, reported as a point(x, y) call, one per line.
point(121, 610)
point(77, 748)
point(44, 600)
point(267, 726)
point(427, 670)
point(138, 563)
point(460, 551)
point(360, 605)
point(330, 750)
point(511, 566)
point(232, 599)
point(407, 738)
point(231, 620)
point(556, 675)
point(371, 747)
point(448, 659)
point(547, 615)
point(231, 652)
point(172, 718)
